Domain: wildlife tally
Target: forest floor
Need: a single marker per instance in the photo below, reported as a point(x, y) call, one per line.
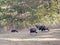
point(24, 37)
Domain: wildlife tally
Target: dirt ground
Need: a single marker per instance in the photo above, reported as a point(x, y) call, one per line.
point(24, 37)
